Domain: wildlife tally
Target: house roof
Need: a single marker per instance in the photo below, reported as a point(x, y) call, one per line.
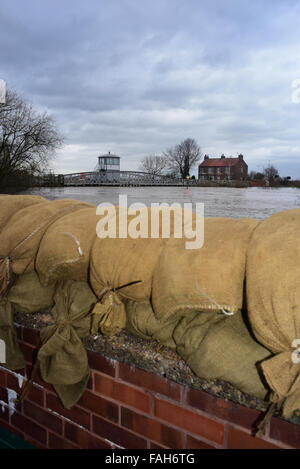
point(219, 162)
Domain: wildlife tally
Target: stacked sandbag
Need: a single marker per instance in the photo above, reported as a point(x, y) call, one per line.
point(64, 252)
point(141, 322)
point(206, 279)
point(122, 268)
point(20, 238)
point(14, 359)
point(116, 262)
point(27, 295)
point(10, 204)
point(130, 252)
point(62, 356)
point(273, 300)
point(221, 347)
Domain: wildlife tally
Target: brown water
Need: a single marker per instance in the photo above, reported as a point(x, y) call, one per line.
point(255, 202)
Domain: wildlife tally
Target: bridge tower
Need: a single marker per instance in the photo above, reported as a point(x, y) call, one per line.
point(109, 168)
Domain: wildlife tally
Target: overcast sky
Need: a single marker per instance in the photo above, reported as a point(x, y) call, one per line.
point(135, 77)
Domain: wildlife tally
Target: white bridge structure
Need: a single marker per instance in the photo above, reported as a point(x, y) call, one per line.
point(108, 173)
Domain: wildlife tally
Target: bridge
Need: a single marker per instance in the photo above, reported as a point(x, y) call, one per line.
point(119, 178)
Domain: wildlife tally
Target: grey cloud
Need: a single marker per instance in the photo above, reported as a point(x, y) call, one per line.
point(136, 76)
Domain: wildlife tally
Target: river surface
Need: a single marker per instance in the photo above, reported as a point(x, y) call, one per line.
point(254, 202)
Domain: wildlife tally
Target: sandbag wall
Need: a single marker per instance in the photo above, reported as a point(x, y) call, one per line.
point(193, 301)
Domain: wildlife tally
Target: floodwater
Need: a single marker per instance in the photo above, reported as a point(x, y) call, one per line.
point(254, 202)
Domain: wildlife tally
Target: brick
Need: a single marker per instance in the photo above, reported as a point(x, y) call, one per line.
point(3, 378)
point(100, 363)
point(152, 429)
point(29, 428)
point(156, 446)
point(34, 443)
point(13, 382)
point(31, 337)
point(90, 383)
point(100, 406)
point(9, 428)
point(19, 332)
point(4, 416)
point(38, 379)
point(55, 442)
point(76, 414)
point(285, 432)
point(238, 439)
point(117, 435)
point(190, 421)
point(46, 419)
point(28, 352)
point(36, 395)
point(222, 409)
point(150, 381)
point(194, 443)
point(121, 392)
point(3, 394)
point(84, 439)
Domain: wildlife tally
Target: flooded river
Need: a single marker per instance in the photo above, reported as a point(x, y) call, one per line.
point(255, 202)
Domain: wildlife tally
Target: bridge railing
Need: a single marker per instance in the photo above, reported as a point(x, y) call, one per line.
point(121, 177)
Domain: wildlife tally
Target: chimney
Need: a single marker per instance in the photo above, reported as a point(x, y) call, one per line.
point(206, 157)
point(223, 156)
point(241, 157)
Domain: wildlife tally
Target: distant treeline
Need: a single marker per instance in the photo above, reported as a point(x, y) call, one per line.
point(23, 179)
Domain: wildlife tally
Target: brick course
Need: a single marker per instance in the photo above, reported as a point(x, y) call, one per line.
point(131, 408)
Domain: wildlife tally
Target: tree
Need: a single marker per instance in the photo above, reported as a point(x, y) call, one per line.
point(256, 175)
point(27, 139)
point(271, 173)
point(153, 165)
point(182, 157)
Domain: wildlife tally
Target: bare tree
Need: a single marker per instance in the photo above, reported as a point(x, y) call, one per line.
point(27, 139)
point(182, 157)
point(153, 165)
point(271, 173)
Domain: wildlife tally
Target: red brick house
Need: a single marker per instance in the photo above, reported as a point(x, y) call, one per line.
point(223, 169)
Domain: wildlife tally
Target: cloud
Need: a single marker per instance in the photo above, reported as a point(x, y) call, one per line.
point(135, 77)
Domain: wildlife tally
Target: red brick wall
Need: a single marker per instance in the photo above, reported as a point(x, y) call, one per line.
point(127, 407)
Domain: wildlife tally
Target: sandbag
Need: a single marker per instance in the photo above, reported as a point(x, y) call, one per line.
point(109, 314)
point(115, 262)
point(273, 299)
point(62, 356)
point(64, 252)
point(27, 295)
point(10, 204)
point(129, 254)
point(216, 346)
point(142, 323)
point(20, 239)
point(14, 359)
point(206, 279)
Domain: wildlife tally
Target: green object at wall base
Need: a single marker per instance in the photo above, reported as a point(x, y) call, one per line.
point(10, 441)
